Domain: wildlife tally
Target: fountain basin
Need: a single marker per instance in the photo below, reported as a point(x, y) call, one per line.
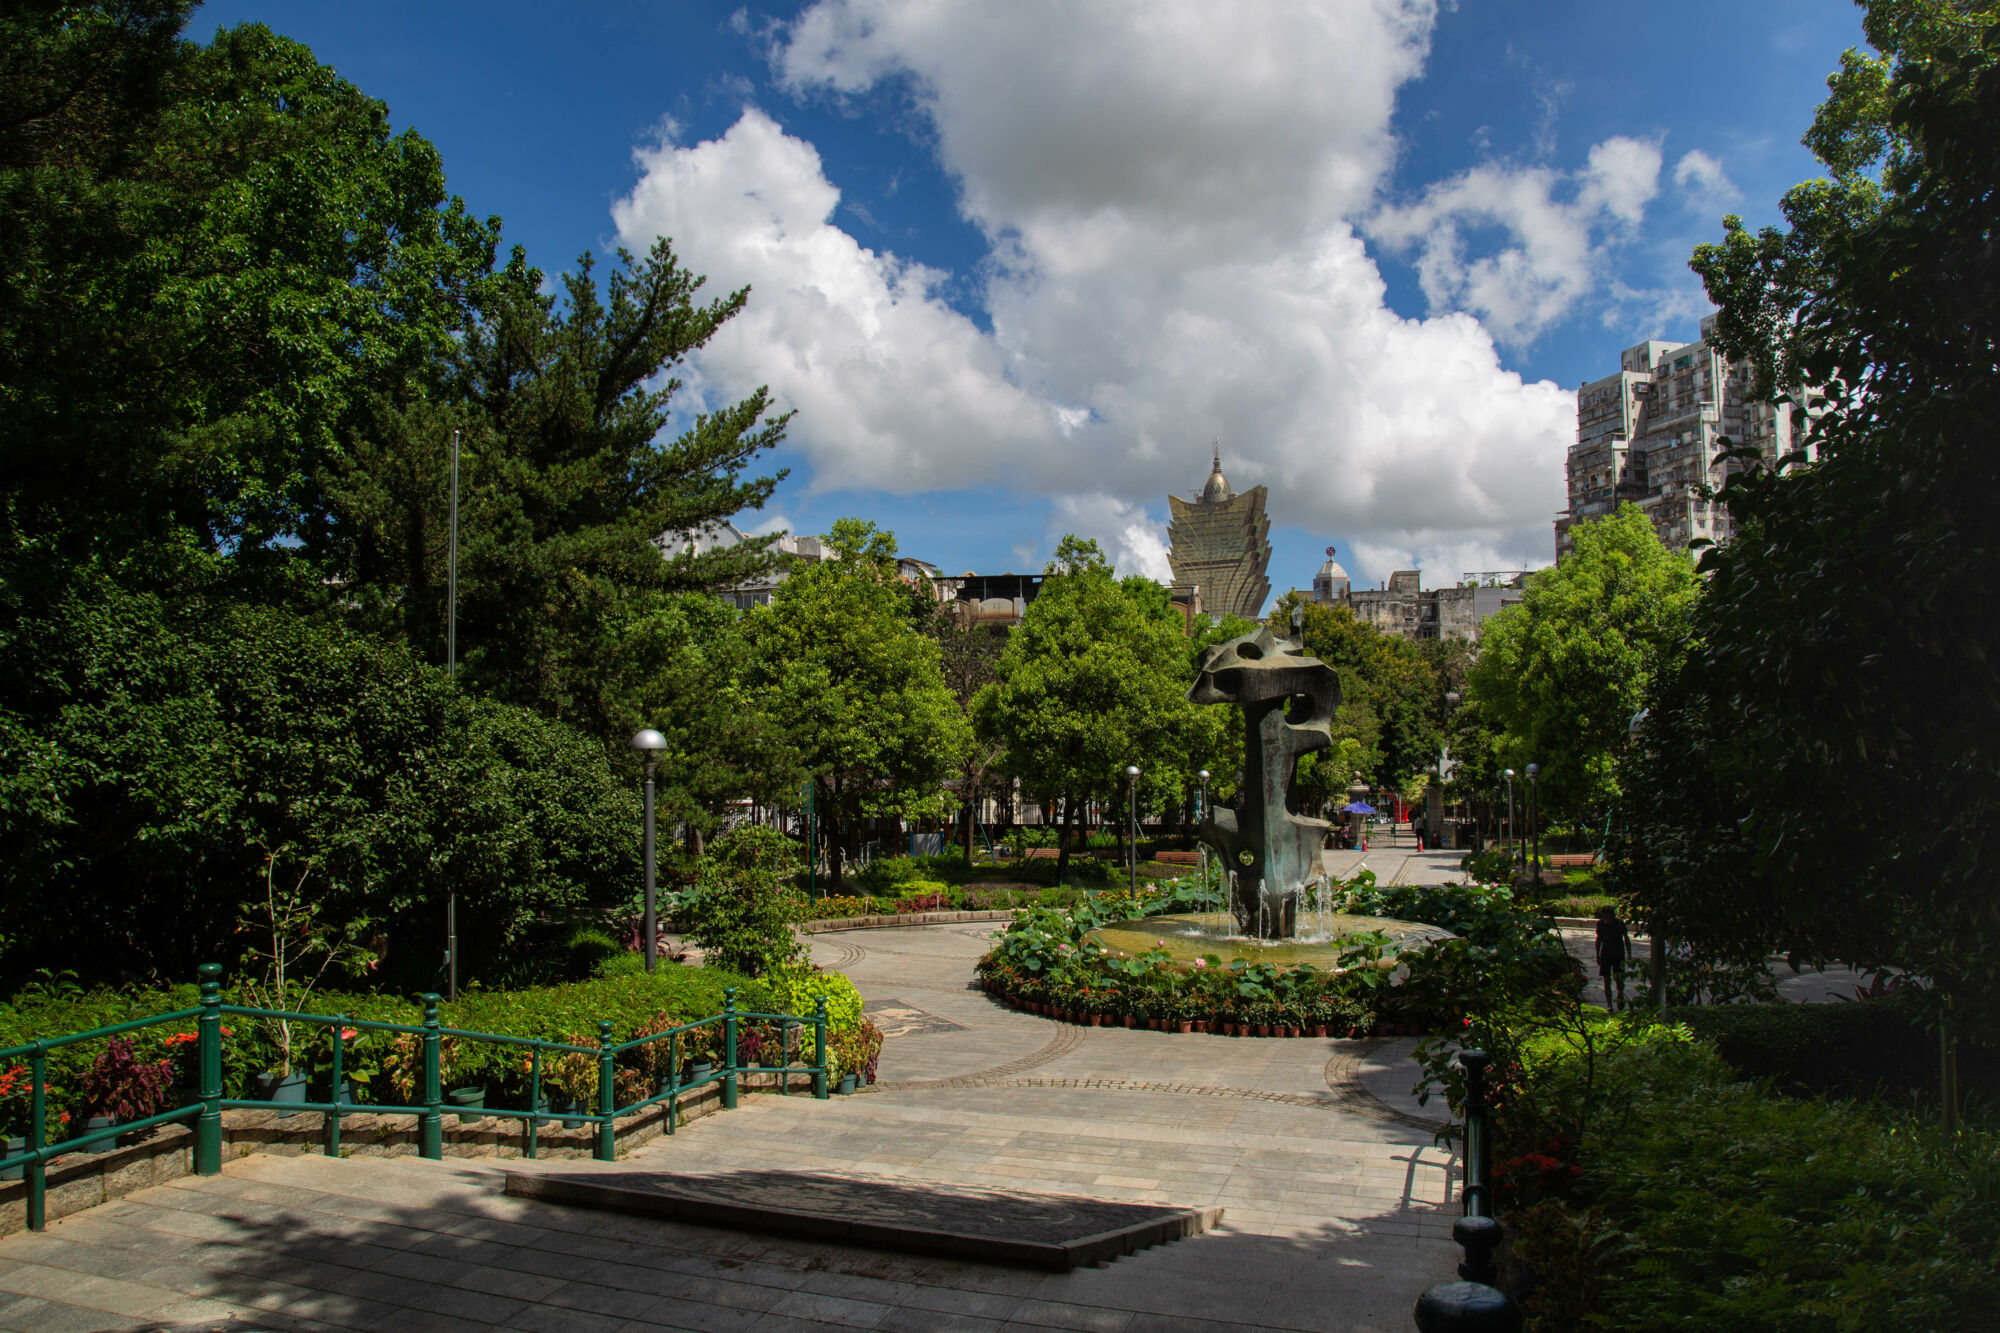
point(1188, 936)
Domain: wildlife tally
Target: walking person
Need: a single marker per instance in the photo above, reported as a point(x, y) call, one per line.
point(1613, 948)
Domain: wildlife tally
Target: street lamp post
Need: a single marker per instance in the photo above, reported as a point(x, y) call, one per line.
point(649, 743)
point(1132, 822)
point(1534, 817)
point(1509, 775)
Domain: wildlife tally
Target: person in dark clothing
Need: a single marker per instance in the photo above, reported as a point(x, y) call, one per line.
point(1613, 948)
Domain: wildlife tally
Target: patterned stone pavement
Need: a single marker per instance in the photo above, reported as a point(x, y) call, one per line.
point(1337, 1201)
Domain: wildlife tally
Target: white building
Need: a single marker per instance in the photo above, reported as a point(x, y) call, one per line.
point(802, 548)
point(1652, 434)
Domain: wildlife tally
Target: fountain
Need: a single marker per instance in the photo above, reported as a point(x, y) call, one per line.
point(1280, 905)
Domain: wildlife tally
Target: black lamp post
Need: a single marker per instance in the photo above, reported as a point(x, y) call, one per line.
point(1534, 817)
point(1509, 775)
point(1132, 822)
point(649, 743)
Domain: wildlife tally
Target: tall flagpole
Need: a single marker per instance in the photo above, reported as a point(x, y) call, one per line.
point(451, 669)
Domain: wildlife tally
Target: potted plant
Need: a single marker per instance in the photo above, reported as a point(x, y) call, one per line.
point(572, 1075)
point(296, 950)
point(119, 1088)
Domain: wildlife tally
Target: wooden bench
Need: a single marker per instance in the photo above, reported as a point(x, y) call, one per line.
point(1571, 859)
point(1178, 858)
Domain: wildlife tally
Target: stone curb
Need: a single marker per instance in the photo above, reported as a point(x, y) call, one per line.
point(76, 1181)
point(892, 920)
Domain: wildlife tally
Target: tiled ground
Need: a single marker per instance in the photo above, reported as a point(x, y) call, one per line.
point(1338, 1204)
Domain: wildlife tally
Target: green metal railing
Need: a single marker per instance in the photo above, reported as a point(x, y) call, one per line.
point(209, 1104)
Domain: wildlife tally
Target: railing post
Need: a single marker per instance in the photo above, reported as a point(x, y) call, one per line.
point(607, 1128)
point(1478, 1188)
point(339, 1075)
point(534, 1101)
point(38, 1112)
point(1472, 1304)
point(729, 1048)
point(819, 1047)
point(430, 1123)
point(208, 1072)
point(673, 1078)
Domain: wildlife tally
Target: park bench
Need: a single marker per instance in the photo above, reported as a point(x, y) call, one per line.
point(1178, 858)
point(1569, 860)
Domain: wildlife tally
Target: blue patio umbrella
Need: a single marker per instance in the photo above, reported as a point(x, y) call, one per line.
point(1357, 808)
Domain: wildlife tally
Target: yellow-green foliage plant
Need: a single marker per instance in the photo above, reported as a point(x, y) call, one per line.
point(799, 987)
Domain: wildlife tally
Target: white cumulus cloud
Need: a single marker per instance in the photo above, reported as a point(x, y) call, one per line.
point(1169, 193)
point(1561, 226)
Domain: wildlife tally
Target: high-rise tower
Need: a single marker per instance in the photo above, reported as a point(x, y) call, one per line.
point(1221, 543)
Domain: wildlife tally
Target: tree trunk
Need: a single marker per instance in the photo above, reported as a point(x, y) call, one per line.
point(971, 817)
point(1062, 840)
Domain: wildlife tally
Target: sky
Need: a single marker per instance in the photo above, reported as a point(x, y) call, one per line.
point(1017, 267)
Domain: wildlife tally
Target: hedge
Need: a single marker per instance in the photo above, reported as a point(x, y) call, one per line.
point(552, 1013)
point(1846, 1050)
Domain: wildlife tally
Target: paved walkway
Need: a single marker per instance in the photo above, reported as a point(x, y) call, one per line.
point(1338, 1203)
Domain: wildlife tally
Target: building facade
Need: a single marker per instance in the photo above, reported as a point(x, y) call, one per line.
point(1219, 545)
point(1652, 434)
point(802, 548)
point(1403, 606)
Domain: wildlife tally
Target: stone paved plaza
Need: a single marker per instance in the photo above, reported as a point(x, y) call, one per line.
point(1337, 1202)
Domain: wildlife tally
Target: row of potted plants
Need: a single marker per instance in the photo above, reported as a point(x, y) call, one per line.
point(1327, 1018)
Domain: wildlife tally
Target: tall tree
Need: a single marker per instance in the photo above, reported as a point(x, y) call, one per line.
point(1092, 681)
point(209, 255)
point(856, 687)
point(1386, 729)
point(1561, 673)
point(565, 487)
point(1847, 631)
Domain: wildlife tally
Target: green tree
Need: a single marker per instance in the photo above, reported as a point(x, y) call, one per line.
point(565, 483)
point(856, 687)
point(209, 256)
point(155, 761)
point(1846, 634)
point(1093, 680)
point(1561, 673)
point(1386, 731)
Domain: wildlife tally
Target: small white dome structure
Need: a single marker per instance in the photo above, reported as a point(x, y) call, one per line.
point(1330, 585)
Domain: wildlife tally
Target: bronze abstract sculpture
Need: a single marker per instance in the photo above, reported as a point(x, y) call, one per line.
point(1271, 852)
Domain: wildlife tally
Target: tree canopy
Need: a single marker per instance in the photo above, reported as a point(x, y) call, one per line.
point(1561, 673)
point(241, 323)
point(1092, 681)
point(855, 687)
point(1844, 692)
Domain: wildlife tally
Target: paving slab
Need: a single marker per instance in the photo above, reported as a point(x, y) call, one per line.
point(1337, 1197)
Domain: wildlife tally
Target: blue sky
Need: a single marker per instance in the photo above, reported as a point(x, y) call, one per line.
point(1017, 265)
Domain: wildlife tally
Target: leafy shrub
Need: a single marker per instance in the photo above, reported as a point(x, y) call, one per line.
point(551, 1013)
point(124, 1087)
point(1853, 1049)
point(742, 911)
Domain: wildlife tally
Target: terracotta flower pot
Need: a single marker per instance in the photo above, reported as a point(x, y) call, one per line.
point(1184, 1025)
point(1097, 1020)
point(1263, 1029)
point(1130, 1021)
point(1319, 1029)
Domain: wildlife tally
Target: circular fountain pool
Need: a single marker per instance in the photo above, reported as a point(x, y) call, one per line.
point(1191, 935)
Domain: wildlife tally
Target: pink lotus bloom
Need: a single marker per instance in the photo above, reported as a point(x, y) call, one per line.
point(1201, 962)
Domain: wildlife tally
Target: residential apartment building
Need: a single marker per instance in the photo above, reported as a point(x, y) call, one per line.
point(1652, 434)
